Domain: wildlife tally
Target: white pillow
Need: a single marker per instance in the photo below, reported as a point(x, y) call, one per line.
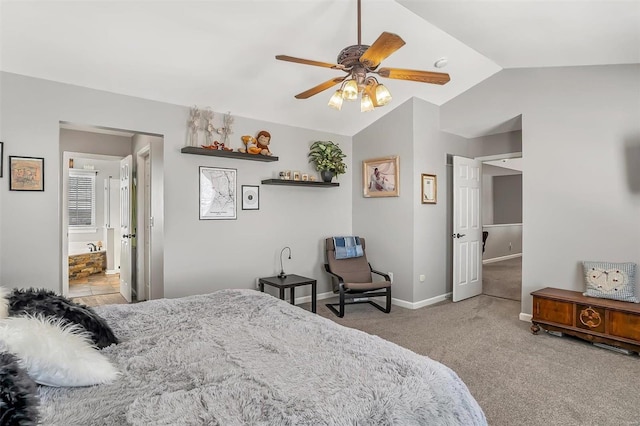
point(4, 302)
point(55, 353)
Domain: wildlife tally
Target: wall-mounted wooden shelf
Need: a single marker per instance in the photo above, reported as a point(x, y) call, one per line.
point(226, 154)
point(299, 183)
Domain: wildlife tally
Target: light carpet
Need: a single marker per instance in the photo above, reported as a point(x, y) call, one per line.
point(517, 378)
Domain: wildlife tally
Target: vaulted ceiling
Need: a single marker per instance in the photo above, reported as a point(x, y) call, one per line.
point(221, 53)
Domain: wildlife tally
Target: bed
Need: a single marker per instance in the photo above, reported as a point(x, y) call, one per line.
point(241, 357)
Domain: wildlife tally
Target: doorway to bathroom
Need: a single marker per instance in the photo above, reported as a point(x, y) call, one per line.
point(93, 217)
point(104, 206)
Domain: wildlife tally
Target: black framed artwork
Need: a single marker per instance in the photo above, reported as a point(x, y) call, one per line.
point(250, 197)
point(1, 159)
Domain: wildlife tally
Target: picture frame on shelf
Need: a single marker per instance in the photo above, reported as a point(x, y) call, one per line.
point(429, 188)
point(218, 193)
point(26, 173)
point(250, 197)
point(381, 177)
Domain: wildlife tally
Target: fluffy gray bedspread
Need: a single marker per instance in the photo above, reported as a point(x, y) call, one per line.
point(241, 357)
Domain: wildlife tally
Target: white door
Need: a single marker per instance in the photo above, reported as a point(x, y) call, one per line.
point(467, 228)
point(125, 227)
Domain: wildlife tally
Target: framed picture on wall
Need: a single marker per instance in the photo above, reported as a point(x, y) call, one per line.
point(217, 193)
point(429, 189)
point(250, 197)
point(381, 177)
point(26, 173)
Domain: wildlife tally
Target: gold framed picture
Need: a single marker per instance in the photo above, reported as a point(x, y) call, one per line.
point(381, 177)
point(26, 173)
point(429, 189)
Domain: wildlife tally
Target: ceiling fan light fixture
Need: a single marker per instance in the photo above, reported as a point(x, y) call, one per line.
point(336, 100)
point(383, 96)
point(350, 91)
point(366, 104)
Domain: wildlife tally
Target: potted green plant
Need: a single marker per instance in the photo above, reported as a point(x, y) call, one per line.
point(327, 156)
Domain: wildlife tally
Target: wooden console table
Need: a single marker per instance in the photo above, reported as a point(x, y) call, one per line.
point(598, 320)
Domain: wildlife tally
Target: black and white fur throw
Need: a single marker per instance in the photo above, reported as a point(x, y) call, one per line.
point(18, 400)
point(45, 302)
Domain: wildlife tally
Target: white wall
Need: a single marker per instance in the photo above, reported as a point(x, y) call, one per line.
point(581, 151)
point(199, 256)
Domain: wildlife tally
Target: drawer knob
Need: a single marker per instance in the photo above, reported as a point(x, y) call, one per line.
point(590, 317)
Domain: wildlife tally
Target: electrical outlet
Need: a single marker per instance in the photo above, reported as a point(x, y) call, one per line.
point(422, 278)
point(258, 283)
point(390, 276)
point(509, 246)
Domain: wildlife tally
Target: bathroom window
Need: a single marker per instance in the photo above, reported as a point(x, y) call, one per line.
point(82, 200)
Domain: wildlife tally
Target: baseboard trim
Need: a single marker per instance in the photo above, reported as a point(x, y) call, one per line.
point(111, 271)
point(501, 258)
point(321, 296)
point(396, 302)
point(525, 317)
point(422, 303)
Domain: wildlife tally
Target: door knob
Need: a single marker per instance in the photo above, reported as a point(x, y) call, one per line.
point(458, 235)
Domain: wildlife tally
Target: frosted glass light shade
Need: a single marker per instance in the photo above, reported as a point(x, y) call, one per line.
point(336, 100)
point(365, 104)
point(383, 96)
point(350, 91)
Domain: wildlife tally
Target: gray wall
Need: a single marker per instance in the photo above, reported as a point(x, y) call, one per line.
point(507, 199)
point(500, 143)
point(199, 256)
point(503, 240)
point(387, 223)
point(405, 236)
point(581, 150)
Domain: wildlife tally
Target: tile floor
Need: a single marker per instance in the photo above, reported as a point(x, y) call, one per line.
point(94, 285)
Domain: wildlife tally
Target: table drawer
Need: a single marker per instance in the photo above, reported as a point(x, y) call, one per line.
point(624, 324)
point(552, 311)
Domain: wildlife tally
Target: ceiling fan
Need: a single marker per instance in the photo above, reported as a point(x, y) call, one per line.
point(360, 60)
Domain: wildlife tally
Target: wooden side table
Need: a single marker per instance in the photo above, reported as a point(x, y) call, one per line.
point(291, 281)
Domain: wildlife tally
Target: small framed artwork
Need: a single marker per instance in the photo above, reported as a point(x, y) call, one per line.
point(296, 175)
point(218, 193)
point(381, 177)
point(1, 159)
point(429, 189)
point(250, 197)
point(26, 173)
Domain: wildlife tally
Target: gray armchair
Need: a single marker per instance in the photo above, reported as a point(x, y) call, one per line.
point(352, 279)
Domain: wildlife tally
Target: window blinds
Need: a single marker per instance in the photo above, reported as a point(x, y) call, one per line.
point(82, 198)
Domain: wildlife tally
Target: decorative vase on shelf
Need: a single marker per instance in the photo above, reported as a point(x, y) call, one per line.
point(326, 175)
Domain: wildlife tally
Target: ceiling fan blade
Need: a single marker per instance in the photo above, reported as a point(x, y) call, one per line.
point(308, 62)
point(384, 46)
point(319, 88)
point(414, 75)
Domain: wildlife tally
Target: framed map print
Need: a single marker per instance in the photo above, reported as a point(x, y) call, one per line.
point(218, 193)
